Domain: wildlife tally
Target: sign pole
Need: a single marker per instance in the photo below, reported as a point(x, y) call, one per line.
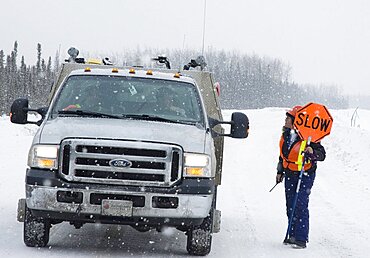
point(296, 194)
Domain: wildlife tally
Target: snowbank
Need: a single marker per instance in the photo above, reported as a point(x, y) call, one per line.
point(253, 220)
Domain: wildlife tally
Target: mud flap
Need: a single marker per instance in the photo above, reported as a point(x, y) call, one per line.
point(21, 210)
point(216, 225)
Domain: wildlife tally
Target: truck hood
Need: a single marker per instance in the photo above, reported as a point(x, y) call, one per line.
point(191, 138)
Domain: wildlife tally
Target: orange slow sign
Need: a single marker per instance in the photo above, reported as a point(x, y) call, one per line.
point(313, 120)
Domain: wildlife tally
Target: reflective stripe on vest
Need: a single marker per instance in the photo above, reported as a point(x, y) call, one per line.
point(299, 161)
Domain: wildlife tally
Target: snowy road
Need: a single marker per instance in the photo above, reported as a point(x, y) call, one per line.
point(253, 220)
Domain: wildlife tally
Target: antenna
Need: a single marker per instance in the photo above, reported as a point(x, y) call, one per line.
point(183, 42)
point(204, 25)
point(182, 52)
point(59, 52)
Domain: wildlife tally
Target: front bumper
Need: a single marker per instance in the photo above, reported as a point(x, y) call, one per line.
point(188, 206)
point(52, 197)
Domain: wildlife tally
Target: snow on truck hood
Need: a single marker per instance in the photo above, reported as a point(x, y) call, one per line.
point(190, 137)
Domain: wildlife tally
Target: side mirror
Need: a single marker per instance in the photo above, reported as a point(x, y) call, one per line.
point(239, 126)
point(19, 111)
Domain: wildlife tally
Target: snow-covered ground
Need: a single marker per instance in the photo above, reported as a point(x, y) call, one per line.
point(253, 219)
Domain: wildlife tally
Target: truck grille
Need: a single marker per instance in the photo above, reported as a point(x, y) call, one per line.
point(120, 162)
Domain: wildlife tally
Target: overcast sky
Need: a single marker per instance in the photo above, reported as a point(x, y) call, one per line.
point(324, 41)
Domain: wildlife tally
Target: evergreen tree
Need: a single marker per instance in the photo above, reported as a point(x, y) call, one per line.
point(23, 78)
point(2, 56)
point(2, 82)
point(56, 61)
point(38, 63)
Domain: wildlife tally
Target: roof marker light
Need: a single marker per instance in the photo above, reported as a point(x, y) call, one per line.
point(132, 70)
point(149, 72)
point(114, 70)
point(177, 75)
point(87, 69)
point(94, 61)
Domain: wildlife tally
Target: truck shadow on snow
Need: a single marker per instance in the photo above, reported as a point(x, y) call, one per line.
point(98, 239)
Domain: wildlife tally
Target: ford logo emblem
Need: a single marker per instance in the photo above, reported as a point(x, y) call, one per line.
point(120, 163)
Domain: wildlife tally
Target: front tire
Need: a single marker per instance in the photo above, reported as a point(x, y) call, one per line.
point(199, 238)
point(35, 230)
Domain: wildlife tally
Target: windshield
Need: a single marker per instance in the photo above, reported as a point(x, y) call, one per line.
point(129, 97)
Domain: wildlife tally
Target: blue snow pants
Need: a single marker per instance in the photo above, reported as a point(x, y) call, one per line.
point(300, 223)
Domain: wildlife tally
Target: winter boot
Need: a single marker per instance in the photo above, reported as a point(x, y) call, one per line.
point(289, 241)
point(299, 244)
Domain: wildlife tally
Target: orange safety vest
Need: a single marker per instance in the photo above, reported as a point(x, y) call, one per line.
point(294, 160)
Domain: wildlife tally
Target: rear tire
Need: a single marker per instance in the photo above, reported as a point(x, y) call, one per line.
point(199, 239)
point(35, 230)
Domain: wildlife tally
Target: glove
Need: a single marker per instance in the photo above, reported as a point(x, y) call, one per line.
point(75, 106)
point(310, 157)
point(279, 177)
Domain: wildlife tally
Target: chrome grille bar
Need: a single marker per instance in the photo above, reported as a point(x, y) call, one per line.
point(90, 161)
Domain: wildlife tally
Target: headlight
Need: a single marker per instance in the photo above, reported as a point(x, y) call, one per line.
point(43, 156)
point(197, 165)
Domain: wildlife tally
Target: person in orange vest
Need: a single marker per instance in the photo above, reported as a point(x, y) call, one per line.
point(292, 152)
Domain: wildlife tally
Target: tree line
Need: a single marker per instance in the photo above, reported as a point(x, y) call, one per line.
point(22, 80)
point(247, 81)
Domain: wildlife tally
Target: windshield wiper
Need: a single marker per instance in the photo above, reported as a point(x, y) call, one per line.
point(86, 113)
point(155, 118)
point(129, 116)
point(148, 117)
point(158, 118)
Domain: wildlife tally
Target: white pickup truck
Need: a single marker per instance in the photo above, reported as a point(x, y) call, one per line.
point(130, 146)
